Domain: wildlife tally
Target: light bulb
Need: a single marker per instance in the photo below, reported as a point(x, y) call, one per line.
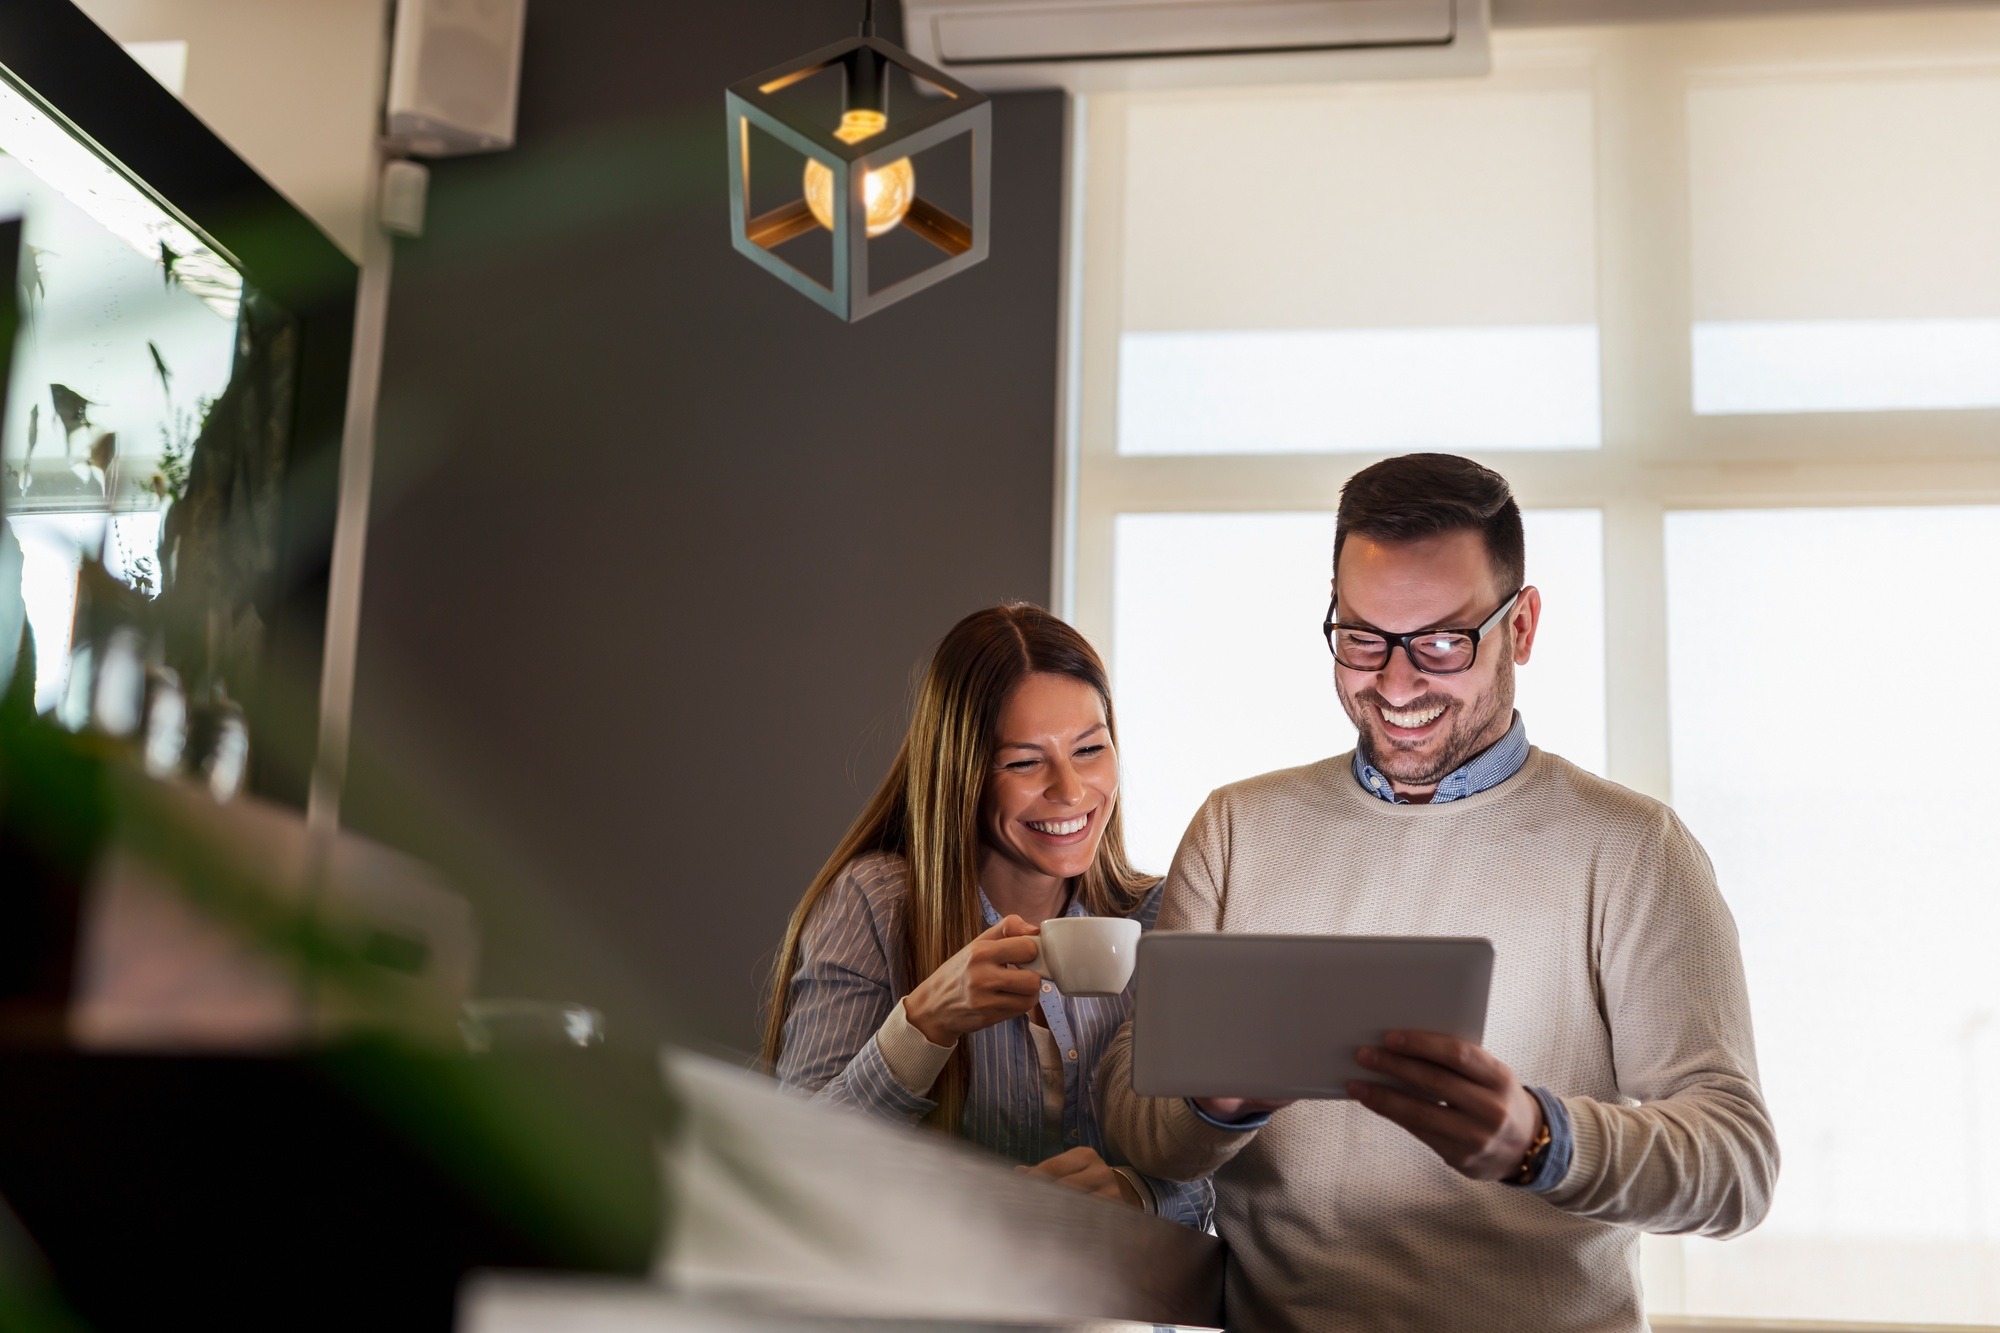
point(890, 189)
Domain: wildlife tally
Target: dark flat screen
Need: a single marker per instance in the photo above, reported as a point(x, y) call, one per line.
point(1282, 1015)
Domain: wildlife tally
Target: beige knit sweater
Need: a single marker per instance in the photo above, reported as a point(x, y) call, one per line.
point(1617, 985)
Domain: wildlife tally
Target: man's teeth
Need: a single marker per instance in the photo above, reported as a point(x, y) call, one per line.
point(1059, 827)
point(1413, 717)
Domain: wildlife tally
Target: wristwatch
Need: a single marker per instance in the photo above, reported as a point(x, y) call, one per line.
point(1531, 1161)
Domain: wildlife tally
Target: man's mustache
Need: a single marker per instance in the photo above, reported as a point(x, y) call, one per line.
point(1421, 702)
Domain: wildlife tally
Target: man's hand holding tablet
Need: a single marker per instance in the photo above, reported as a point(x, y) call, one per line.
point(1479, 1118)
point(1476, 1115)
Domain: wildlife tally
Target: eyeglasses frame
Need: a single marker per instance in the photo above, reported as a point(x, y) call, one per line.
point(1395, 641)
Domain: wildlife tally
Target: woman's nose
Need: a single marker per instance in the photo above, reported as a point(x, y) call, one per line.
point(1065, 784)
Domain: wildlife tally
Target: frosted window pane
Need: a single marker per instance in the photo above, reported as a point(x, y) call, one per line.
point(1221, 671)
point(1851, 365)
point(1363, 206)
point(1842, 240)
point(1844, 791)
point(1345, 390)
point(1361, 268)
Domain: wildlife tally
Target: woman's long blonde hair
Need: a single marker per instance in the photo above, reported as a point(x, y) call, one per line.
point(927, 809)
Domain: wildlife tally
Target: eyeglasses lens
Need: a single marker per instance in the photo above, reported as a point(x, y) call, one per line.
point(1443, 653)
point(1439, 653)
point(1360, 652)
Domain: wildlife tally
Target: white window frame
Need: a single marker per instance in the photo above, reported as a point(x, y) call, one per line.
point(1657, 454)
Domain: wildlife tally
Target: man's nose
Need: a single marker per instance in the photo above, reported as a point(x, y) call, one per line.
point(1399, 681)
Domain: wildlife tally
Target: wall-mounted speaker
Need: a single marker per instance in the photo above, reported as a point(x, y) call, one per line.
point(455, 75)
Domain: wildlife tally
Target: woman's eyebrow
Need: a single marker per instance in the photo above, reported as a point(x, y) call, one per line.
point(1087, 732)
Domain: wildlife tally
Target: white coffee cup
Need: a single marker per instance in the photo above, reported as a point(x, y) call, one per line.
point(1088, 955)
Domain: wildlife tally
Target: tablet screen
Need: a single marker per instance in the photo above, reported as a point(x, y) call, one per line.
point(1277, 1016)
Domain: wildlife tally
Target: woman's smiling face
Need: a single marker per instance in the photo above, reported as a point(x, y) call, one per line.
point(1054, 778)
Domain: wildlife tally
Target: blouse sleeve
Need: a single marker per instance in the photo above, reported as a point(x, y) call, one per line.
point(1188, 1202)
point(838, 1000)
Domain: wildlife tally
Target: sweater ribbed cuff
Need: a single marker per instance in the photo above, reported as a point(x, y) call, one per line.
point(1257, 1121)
point(911, 1057)
point(1199, 1142)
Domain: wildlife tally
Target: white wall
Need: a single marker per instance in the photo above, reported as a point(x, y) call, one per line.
point(294, 86)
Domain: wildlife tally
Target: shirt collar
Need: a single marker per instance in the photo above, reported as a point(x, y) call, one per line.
point(1489, 768)
point(992, 918)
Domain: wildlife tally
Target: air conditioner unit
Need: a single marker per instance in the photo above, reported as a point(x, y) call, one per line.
point(1095, 45)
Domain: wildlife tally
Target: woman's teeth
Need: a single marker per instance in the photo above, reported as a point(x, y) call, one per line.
point(1413, 717)
point(1059, 828)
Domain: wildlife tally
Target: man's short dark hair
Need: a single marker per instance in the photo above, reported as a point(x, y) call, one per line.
point(1427, 495)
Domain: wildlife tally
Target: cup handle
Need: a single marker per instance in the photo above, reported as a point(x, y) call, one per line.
point(1039, 963)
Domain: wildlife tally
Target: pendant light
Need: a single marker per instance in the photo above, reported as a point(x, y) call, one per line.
point(859, 181)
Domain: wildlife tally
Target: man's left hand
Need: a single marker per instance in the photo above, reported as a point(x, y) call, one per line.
point(1472, 1112)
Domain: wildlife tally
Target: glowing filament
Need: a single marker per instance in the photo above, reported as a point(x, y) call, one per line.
point(890, 190)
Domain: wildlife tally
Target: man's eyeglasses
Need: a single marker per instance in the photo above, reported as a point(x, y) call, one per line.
point(1435, 652)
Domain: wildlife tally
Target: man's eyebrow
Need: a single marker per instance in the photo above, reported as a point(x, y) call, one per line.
point(1460, 624)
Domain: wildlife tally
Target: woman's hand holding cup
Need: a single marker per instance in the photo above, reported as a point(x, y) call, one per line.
point(1082, 1170)
point(984, 983)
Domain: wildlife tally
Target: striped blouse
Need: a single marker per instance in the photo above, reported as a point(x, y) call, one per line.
point(852, 973)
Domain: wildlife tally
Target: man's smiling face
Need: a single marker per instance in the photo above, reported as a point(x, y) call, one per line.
point(1417, 728)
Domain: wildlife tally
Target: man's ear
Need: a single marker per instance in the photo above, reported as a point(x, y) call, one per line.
point(1524, 621)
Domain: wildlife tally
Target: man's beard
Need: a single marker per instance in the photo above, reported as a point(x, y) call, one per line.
point(1467, 724)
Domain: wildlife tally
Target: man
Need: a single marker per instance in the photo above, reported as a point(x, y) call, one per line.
point(1617, 1092)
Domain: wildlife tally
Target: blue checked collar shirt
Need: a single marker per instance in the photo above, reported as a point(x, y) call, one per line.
point(1489, 768)
point(851, 974)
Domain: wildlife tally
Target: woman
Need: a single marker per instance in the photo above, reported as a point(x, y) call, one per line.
point(901, 987)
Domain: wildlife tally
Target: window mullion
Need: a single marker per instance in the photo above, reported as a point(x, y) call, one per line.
point(1637, 735)
point(1644, 293)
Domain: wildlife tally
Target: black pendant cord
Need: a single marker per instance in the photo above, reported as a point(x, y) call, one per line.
point(865, 88)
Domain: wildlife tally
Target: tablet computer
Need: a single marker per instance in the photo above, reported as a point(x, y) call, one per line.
point(1281, 1015)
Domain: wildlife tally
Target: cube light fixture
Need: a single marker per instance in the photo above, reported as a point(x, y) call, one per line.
point(859, 182)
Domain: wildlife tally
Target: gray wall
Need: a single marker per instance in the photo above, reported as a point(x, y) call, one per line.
point(657, 543)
